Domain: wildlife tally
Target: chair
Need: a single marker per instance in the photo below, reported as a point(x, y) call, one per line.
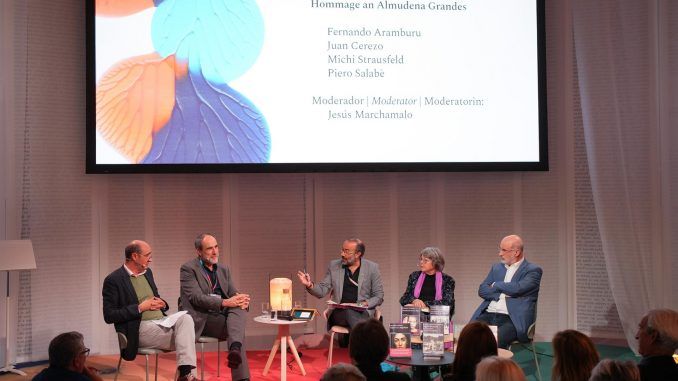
point(530, 336)
point(207, 339)
point(122, 342)
point(339, 329)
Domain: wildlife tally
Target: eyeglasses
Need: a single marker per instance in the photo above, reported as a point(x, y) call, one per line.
point(347, 251)
point(507, 250)
point(85, 352)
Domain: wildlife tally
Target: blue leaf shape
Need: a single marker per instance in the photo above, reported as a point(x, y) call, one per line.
point(220, 38)
point(210, 123)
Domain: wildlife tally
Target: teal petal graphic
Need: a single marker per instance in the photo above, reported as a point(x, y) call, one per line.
point(221, 39)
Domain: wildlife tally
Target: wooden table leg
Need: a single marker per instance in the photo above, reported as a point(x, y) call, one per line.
point(276, 344)
point(283, 333)
point(296, 355)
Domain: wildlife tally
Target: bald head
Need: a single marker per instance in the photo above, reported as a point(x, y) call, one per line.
point(138, 255)
point(511, 249)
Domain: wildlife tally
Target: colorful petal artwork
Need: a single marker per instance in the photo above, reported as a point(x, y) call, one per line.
point(211, 123)
point(175, 105)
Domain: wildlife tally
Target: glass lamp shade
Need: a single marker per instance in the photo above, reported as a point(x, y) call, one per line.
point(281, 294)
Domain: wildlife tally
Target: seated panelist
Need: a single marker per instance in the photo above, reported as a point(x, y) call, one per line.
point(350, 279)
point(429, 286)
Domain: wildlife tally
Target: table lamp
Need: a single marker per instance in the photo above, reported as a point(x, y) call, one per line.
point(281, 296)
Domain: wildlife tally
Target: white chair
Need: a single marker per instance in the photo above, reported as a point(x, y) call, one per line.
point(339, 329)
point(122, 342)
point(202, 340)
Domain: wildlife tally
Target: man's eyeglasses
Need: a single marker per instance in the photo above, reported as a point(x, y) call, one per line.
point(347, 251)
point(85, 352)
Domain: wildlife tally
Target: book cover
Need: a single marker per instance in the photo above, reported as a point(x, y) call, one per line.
point(401, 340)
point(441, 314)
point(433, 340)
point(412, 316)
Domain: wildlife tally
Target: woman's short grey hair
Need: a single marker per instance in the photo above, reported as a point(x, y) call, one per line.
point(615, 370)
point(342, 372)
point(433, 253)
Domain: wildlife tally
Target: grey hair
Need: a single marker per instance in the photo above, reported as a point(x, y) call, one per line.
point(665, 323)
point(343, 372)
point(615, 370)
point(64, 348)
point(434, 254)
point(198, 240)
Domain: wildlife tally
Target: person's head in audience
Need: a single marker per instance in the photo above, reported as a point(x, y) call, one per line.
point(658, 333)
point(68, 351)
point(476, 341)
point(615, 370)
point(368, 343)
point(574, 356)
point(496, 368)
point(342, 372)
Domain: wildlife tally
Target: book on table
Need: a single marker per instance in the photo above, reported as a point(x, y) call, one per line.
point(433, 340)
point(411, 315)
point(441, 314)
point(401, 340)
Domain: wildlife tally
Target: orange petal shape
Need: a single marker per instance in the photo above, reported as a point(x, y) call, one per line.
point(135, 98)
point(117, 8)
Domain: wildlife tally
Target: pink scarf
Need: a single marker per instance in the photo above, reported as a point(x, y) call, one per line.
point(439, 285)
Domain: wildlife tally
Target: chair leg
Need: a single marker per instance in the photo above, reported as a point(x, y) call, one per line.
point(536, 361)
point(202, 361)
point(329, 356)
point(146, 367)
point(218, 359)
point(117, 371)
point(156, 367)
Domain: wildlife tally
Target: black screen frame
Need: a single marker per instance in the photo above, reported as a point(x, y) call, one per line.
point(92, 167)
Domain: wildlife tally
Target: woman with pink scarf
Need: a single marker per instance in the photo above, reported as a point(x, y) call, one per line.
point(429, 286)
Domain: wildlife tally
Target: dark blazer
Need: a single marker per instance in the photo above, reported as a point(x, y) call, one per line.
point(121, 307)
point(521, 294)
point(658, 368)
point(448, 292)
point(195, 292)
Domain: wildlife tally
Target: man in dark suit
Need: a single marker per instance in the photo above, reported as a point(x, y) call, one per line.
point(657, 342)
point(510, 293)
point(350, 279)
point(132, 303)
point(218, 309)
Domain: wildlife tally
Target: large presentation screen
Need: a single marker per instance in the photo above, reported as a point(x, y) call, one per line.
point(315, 85)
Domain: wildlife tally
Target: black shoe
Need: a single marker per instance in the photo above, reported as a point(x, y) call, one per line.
point(234, 358)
